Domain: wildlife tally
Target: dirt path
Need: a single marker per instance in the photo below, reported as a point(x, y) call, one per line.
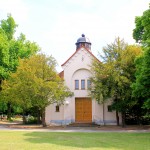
point(19, 127)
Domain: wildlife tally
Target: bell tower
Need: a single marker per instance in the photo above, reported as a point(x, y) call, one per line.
point(83, 42)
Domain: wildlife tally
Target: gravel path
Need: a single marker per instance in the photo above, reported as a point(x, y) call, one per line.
point(39, 128)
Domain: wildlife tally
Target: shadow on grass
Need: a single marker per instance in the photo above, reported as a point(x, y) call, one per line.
point(123, 141)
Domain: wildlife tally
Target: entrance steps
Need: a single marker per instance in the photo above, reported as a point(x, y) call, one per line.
point(83, 125)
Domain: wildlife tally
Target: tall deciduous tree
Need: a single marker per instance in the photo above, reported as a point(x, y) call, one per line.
point(11, 49)
point(36, 84)
point(4, 56)
point(141, 87)
point(113, 77)
point(141, 33)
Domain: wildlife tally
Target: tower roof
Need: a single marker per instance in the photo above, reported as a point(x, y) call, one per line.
point(83, 39)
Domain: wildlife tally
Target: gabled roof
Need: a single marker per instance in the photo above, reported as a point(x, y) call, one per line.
point(76, 52)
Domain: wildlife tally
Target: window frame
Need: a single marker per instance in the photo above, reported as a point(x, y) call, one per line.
point(76, 84)
point(82, 84)
point(88, 84)
point(57, 108)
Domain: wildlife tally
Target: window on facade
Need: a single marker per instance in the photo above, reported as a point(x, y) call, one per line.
point(76, 84)
point(109, 108)
point(82, 84)
point(57, 108)
point(88, 84)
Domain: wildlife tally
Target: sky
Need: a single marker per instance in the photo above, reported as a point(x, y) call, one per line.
point(55, 25)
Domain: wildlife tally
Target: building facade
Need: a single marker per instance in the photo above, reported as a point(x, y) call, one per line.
point(80, 108)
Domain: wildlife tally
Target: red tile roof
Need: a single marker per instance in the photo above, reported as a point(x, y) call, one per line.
point(61, 74)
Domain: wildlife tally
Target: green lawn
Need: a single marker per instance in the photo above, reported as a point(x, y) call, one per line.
point(22, 140)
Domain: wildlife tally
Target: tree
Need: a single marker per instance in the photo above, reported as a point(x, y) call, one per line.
point(4, 56)
point(36, 84)
point(112, 77)
point(49, 86)
point(11, 50)
point(141, 87)
point(18, 88)
point(9, 27)
point(7, 30)
point(141, 33)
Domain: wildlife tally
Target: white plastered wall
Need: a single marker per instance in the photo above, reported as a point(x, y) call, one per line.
point(76, 69)
point(51, 116)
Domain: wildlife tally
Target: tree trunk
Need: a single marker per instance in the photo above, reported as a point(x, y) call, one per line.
point(117, 115)
point(24, 117)
point(123, 119)
point(43, 118)
point(8, 111)
point(117, 118)
point(38, 116)
point(0, 85)
point(139, 120)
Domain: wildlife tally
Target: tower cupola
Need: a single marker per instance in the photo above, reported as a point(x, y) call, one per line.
point(83, 42)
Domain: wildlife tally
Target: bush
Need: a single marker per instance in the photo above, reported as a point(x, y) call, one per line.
point(31, 120)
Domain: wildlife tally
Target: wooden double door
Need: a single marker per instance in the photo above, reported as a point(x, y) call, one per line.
point(83, 110)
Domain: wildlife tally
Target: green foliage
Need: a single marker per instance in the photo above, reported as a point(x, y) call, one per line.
point(4, 55)
point(25, 48)
point(141, 87)
point(141, 33)
point(11, 49)
point(114, 76)
point(35, 84)
point(9, 27)
point(3, 107)
point(20, 48)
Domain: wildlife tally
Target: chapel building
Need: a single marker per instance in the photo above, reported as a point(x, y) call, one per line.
point(80, 108)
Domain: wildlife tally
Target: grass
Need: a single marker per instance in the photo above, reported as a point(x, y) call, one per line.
point(23, 140)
